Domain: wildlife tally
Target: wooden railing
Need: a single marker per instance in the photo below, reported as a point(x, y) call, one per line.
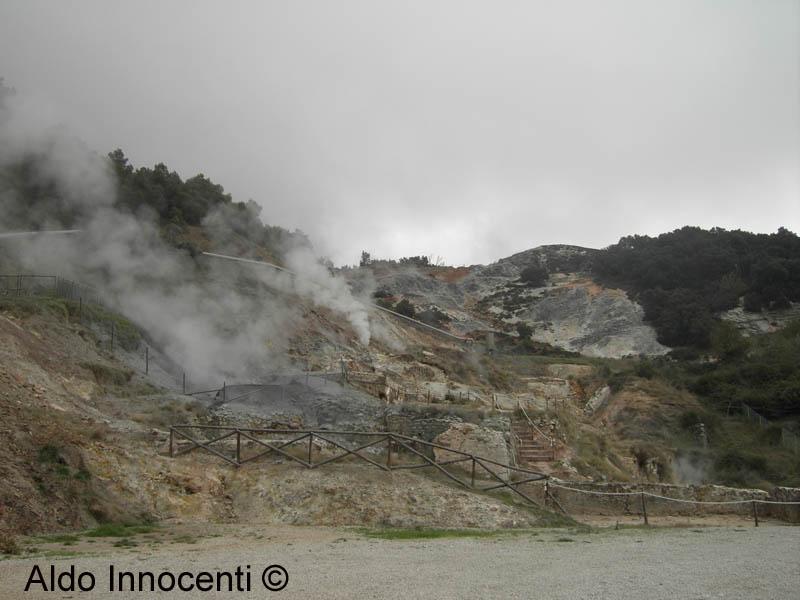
point(551, 441)
point(388, 451)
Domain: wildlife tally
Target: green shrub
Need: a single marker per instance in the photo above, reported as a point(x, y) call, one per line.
point(50, 454)
point(8, 544)
point(108, 375)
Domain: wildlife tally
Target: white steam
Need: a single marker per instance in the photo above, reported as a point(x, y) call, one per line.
point(197, 314)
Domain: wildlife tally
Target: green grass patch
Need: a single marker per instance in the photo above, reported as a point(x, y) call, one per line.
point(425, 533)
point(59, 538)
point(184, 539)
point(125, 333)
point(26, 306)
point(108, 375)
point(49, 454)
point(119, 530)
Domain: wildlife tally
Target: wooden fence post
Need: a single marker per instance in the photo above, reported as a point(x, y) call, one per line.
point(238, 447)
point(755, 513)
point(644, 509)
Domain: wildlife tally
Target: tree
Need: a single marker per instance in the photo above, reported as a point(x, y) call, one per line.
point(366, 259)
point(534, 275)
point(524, 330)
point(433, 316)
point(727, 341)
point(404, 307)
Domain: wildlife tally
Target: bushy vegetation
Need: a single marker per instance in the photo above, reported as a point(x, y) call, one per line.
point(534, 275)
point(196, 201)
point(434, 317)
point(367, 260)
point(155, 193)
point(763, 372)
point(108, 375)
point(684, 277)
point(404, 307)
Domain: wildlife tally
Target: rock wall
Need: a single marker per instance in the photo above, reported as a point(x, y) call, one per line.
point(427, 421)
point(598, 400)
point(761, 322)
point(473, 439)
point(789, 513)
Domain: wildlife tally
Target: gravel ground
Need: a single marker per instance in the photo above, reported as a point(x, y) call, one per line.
point(725, 562)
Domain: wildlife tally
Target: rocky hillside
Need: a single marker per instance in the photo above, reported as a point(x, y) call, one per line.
point(86, 438)
point(566, 309)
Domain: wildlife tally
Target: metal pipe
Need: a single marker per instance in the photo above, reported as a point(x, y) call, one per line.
point(22, 234)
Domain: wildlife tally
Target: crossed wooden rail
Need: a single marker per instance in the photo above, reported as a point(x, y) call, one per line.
point(395, 445)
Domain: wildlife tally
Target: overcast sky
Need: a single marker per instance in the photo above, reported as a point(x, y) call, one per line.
point(467, 130)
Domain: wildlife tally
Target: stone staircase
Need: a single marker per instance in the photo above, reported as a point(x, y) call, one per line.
point(531, 446)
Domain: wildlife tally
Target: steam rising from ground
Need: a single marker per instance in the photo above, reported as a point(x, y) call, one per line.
point(196, 313)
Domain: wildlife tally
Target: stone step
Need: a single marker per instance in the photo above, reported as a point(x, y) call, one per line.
point(544, 456)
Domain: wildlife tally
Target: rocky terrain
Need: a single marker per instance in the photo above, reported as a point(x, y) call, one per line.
point(87, 440)
point(88, 427)
point(571, 311)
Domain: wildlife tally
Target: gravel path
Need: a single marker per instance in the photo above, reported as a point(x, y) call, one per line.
point(729, 562)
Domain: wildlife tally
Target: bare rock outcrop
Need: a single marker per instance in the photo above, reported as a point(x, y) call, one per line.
point(467, 437)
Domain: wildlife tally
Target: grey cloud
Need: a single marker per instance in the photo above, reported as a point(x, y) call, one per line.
point(463, 129)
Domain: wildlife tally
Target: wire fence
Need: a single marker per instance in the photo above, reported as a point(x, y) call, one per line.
point(113, 332)
point(47, 285)
point(788, 439)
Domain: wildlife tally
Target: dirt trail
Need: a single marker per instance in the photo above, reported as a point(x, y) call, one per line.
point(329, 563)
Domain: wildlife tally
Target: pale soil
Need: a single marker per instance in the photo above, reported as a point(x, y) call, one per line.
point(729, 562)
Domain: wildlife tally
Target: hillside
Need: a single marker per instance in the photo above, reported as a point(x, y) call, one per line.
point(555, 363)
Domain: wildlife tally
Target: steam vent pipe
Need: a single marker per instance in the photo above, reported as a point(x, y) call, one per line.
point(21, 234)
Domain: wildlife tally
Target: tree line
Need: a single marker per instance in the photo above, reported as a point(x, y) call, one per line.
point(685, 277)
